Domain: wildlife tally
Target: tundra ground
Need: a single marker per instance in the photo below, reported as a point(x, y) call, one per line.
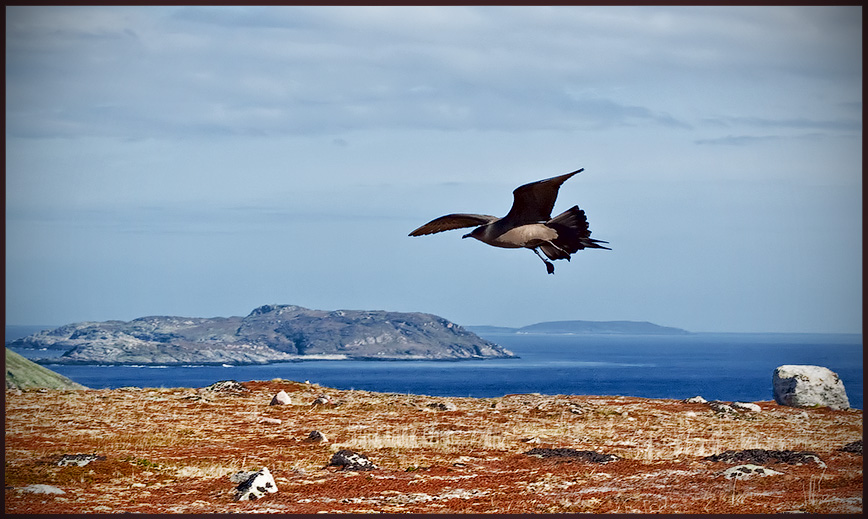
point(172, 450)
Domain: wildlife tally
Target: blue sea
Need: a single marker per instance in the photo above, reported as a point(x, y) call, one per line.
point(728, 367)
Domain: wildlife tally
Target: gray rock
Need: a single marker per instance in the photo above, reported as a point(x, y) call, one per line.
point(696, 400)
point(349, 460)
point(746, 406)
point(241, 476)
point(321, 400)
point(281, 398)
point(721, 408)
point(257, 485)
point(227, 386)
point(79, 460)
point(808, 386)
point(443, 406)
point(316, 437)
point(41, 489)
point(747, 471)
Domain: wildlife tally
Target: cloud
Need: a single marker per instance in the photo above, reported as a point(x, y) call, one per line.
point(170, 72)
point(842, 124)
point(738, 140)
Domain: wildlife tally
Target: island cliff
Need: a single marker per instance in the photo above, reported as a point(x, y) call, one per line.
point(270, 333)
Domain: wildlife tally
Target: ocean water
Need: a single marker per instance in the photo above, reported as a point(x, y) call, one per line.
point(728, 367)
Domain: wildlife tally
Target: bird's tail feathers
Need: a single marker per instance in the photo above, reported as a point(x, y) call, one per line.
point(573, 235)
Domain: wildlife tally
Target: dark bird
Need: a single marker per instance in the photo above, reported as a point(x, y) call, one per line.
point(528, 224)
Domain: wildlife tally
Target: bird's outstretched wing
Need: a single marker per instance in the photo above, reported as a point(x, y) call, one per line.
point(453, 221)
point(534, 202)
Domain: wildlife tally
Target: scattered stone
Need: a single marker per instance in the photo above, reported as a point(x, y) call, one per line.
point(256, 486)
point(269, 420)
point(575, 408)
point(721, 408)
point(747, 471)
point(322, 400)
point(746, 406)
point(241, 476)
point(696, 400)
point(349, 460)
point(227, 386)
point(443, 406)
point(535, 439)
point(316, 437)
point(41, 489)
point(281, 398)
point(760, 456)
point(589, 456)
point(79, 460)
point(809, 386)
point(854, 447)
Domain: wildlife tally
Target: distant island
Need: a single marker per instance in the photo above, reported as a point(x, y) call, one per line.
point(270, 333)
point(586, 327)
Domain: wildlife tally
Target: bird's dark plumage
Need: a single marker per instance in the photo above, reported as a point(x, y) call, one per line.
point(528, 224)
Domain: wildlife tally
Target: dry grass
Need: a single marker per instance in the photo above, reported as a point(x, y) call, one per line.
point(425, 438)
point(467, 460)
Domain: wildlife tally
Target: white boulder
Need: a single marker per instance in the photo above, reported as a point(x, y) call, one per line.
point(281, 398)
point(748, 470)
point(349, 460)
point(809, 386)
point(257, 485)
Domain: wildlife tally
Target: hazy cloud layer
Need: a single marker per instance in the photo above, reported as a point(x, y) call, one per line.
point(170, 72)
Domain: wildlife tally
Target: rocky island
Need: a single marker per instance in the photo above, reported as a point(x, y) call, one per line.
point(270, 333)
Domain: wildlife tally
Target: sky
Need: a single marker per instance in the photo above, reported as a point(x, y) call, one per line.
point(203, 161)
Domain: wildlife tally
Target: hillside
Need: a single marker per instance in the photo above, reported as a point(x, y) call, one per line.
point(270, 333)
point(24, 374)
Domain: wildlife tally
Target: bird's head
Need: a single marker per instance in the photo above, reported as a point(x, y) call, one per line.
point(476, 233)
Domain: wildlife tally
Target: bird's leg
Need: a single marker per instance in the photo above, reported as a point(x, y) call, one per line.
point(550, 268)
point(560, 249)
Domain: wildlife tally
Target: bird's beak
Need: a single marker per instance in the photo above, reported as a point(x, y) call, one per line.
point(465, 236)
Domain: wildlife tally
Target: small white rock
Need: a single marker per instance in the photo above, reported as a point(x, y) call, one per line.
point(41, 489)
point(747, 471)
point(281, 398)
point(316, 437)
point(256, 486)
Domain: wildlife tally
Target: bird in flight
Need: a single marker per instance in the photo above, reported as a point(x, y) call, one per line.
point(528, 224)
